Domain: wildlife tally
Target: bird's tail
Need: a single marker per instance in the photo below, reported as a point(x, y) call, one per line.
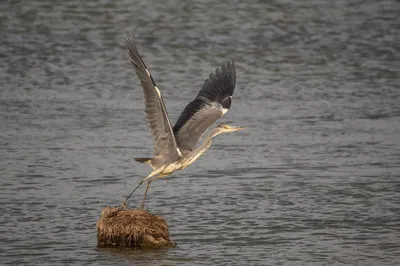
point(142, 160)
point(149, 161)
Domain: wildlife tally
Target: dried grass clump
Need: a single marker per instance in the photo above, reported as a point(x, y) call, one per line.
point(132, 228)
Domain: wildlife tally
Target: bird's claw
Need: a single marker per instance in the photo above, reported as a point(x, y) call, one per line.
point(123, 206)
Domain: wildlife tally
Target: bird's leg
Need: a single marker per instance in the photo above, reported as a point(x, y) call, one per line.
point(145, 193)
point(123, 204)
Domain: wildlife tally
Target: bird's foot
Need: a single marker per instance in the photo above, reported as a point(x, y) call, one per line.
point(123, 206)
point(141, 206)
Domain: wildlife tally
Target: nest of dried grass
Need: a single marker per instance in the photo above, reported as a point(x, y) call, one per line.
point(132, 228)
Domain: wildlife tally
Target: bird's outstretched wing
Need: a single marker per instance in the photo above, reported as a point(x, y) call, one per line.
point(156, 113)
point(212, 102)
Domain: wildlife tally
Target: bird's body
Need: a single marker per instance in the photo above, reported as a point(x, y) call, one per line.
point(175, 147)
point(165, 165)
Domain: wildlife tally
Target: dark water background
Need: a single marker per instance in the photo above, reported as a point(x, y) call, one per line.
point(314, 180)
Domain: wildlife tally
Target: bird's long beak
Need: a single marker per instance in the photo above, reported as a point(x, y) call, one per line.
point(237, 128)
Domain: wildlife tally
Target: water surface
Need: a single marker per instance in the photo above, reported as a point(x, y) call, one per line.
point(314, 180)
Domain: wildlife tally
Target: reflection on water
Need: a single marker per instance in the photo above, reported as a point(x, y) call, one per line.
point(312, 180)
point(142, 256)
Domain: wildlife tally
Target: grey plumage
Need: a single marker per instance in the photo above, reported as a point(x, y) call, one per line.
point(202, 112)
point(157, 116)
point(175, 148)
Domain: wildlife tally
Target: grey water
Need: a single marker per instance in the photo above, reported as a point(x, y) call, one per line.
point(313, 180)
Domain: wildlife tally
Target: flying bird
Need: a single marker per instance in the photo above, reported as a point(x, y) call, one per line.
point(175, 147)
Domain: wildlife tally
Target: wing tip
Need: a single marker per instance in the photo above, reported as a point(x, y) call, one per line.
point(129, 40)
point(228, 66)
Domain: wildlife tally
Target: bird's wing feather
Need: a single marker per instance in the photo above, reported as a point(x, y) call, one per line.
point(156, 113)
point(213, 100)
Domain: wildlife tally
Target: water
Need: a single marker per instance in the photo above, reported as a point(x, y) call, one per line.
point(314, 180)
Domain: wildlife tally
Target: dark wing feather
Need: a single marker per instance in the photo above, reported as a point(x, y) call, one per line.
point(156, 113)
point(210, 104)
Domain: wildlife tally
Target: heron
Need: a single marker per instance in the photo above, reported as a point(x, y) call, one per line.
point(175, 147)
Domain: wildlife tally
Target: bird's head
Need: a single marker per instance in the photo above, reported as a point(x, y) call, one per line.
point(224, 128)
point(228, 128)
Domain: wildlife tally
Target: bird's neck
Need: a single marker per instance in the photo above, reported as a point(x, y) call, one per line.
point(200, 150)
point(205, 145)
